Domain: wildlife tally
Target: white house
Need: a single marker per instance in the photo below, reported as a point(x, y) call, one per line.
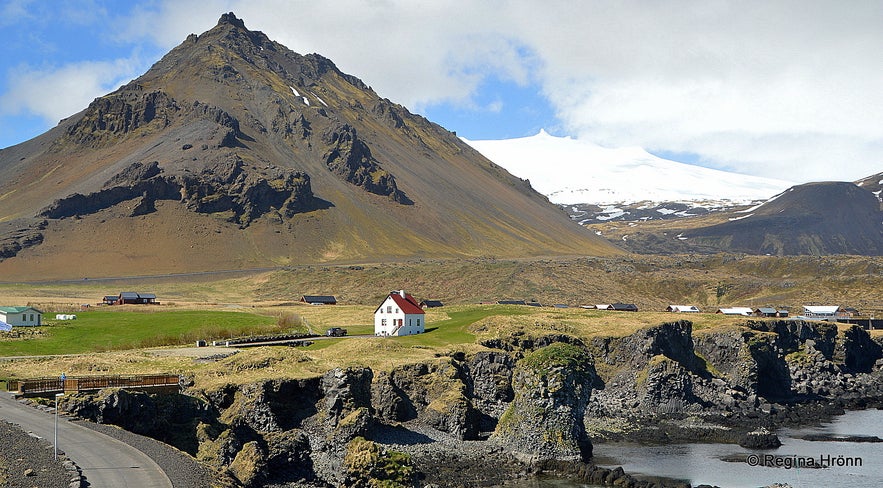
point(21, 316)
point(399, 315)
point(736, 311)
point(682, 308)
point(822, 311)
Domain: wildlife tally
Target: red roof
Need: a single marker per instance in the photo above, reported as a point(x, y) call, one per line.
point(407, 303)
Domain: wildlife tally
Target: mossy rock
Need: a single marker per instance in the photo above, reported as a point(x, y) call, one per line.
point(559, 354)
point(370, 466)
point(249, 465)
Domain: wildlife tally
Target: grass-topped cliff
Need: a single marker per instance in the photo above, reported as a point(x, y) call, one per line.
point(563, 376)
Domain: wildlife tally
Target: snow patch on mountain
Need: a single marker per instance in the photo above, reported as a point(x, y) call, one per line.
point(574, 171)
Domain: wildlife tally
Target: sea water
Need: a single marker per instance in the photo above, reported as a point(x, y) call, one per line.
point(798, 462)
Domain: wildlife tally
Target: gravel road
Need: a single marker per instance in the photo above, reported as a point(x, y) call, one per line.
point(20, 451)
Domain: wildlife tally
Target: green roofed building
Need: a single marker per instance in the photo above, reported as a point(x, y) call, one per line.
point(21, 316)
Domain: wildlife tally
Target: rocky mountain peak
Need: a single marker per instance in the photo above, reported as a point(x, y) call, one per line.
point(231, 127)
point(230, 18)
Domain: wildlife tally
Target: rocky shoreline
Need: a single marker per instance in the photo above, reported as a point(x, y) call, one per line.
point(524, 406)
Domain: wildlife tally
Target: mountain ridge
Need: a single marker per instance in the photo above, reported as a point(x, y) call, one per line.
point(279, 155)
point(575, 171)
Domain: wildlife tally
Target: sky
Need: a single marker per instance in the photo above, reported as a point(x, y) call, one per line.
point(784, 89)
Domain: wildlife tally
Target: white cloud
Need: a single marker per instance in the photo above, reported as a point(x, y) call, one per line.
point(784, 89)
point(756, 86)
point(56, 93)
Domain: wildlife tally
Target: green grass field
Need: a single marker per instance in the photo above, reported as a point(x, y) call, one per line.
point(105, 330)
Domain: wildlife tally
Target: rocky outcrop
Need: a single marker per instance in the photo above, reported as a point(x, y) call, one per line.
point(724, 382)
point(760, 439)
point(229, 186)
point(435, 394)
point(368, 465)
point(552, 387)
point(172, 419)
point(20, 234)
point(530, 404)
point(120, 113)
point(345, 391)
point(350, 158)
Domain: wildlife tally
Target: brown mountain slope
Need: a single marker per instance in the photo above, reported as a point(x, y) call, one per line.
point(233, 151)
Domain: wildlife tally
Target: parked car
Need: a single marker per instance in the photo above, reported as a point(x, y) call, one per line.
point(335, 332)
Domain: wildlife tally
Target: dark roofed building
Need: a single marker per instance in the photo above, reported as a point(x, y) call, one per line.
point(136, 298)
point(319, 299)
point(766, 312)
point(623, 307)
point(431, 304)
point(512, 302)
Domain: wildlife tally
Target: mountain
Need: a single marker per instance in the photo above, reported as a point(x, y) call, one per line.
point(652, 205)
point(811, 219)
point(873, 184)
point(233, 151)
point(572, 171)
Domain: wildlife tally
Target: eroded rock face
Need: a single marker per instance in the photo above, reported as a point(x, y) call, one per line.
point(123, 112)
point(537, 396)
point(350, 158)
point(245, 192)
point(346, 390)
point(545, 419)
point(435, 395)
point(20, 234)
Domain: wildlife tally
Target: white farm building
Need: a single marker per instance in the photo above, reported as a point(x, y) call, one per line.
point(399, 315)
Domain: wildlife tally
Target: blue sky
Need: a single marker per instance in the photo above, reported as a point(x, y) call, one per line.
point(786, 89)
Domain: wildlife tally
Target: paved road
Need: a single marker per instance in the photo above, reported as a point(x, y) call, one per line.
point(106, 462)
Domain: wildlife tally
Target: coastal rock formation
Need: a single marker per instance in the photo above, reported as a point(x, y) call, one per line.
point(552, 387)
point(525, 403)
point(729, 381)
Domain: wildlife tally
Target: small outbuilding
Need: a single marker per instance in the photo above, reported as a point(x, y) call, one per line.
point(682, 309)
point(319, 299)
point(766, 312)
point(131, 298)
point(623, 307)
point(399, 315)
point(431, 304)
point(21, 316)
point(743, 311)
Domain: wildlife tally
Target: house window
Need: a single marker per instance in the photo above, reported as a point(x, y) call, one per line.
point(389, 309)
point(383, 322)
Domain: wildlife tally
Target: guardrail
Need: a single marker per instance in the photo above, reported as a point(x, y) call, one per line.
point(73, 384)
